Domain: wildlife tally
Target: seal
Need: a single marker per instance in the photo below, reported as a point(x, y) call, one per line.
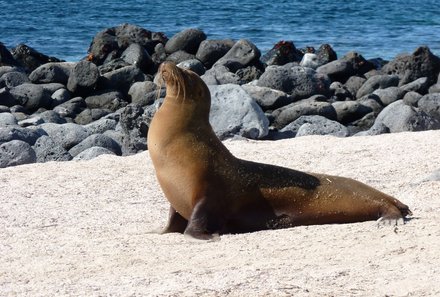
point(213, 192)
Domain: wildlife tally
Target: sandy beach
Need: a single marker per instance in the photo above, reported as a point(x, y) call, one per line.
point(83, 228)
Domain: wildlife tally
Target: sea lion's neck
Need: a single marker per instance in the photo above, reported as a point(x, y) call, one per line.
point(185, 112)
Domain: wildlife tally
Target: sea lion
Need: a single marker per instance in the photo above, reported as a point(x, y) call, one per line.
point(213, 192)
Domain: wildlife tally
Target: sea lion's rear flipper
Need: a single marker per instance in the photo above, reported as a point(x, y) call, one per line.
point(393, 214)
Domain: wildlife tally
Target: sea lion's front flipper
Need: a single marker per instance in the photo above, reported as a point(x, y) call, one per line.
point(176, 223)
point(204, 222)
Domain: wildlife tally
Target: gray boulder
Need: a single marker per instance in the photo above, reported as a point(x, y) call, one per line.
point(337, 70)
point(412, 98)
point(50, 116)
point(121, 79)
point(59, 97)
point(377, 82)
point(83, 78)
point(111, 100)
point(136, 55)
point(131, 130)
point(210, 51)
point(297, 81)
point(47, 150)
point(389, 95)
point(325, 54)
point(339, 92)
point(234, 112)
point(16, 152)
point(242, 54)
point(100, 126)
point(420, 85)
point(28, 135)
point(65, 135)
point(7, 119)
point(143, 93)
point(399, 117)
point(430, 104)
point(93, 152)
point(283, 52)
point(13, 79)
point(318, 125)
point(93, 140)
point(70, 108)
point(435, 88)
point(52, 73)
point(377, 129)
point(350, 111)
point(372, 101)
point(179, 57)
point(421, 63)
point(293, 111)
point(193, 65)
point(89, 115)
point(363, 124)
point(31, 96)
point(220, 75)
point(6, 99)
point(349, 65)
point(187, 40)
point(353, 84)
point(268, 99)
point(52, 87)
point(249, 74)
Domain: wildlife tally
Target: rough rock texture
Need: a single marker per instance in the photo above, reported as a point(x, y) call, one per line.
point(377, 82)
point(187, 40)
point(16, 152)
point(430, 104)
point(92, 153)
point(399, 117)
point(243, 53)
point(318, 125)
point(282, 53)
point(234, 112)
point(52, 73)
point(421, 63)
point(267, 98)
point(83, 78)
point(13, 79)
point(31, 96)
point(300, 82)
point(210, 51)
point(47, 150)
point(94, 140)
point(66, 135)
point(293, 111)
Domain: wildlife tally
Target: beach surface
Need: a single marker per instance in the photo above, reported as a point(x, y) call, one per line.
point(83, 228)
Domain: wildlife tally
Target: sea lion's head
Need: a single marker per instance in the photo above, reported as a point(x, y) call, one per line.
point(184, 86)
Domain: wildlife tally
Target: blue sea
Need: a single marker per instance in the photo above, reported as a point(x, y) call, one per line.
point(377, 28)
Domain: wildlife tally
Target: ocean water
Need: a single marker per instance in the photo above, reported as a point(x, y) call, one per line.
point(376, 28)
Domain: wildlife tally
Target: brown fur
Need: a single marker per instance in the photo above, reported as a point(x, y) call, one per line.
point(211, 191)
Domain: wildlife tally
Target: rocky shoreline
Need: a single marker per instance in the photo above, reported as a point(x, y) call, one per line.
point(51, 110)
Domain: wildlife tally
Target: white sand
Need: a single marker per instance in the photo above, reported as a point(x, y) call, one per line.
point(81, 229)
